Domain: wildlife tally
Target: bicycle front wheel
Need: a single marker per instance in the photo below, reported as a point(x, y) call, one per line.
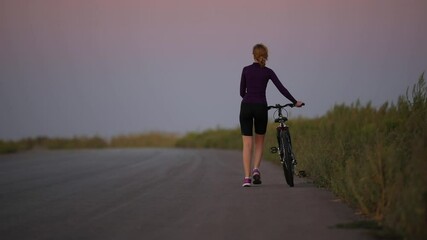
point(288, 166)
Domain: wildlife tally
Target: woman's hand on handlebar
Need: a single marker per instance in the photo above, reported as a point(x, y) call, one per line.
point(299, 104)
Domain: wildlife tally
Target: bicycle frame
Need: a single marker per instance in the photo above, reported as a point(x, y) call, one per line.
point(282, 127)
point(284, 148)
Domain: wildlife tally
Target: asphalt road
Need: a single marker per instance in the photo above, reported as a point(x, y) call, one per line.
point(159, 194)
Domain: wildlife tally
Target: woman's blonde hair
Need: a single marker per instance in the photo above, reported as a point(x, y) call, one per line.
point(260, 52)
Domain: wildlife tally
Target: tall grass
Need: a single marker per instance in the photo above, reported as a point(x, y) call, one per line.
point(373, 158)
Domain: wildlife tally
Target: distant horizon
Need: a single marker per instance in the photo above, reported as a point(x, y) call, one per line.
point(182, 134)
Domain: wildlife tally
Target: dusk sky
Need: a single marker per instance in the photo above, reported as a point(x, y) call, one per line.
point(107, 67)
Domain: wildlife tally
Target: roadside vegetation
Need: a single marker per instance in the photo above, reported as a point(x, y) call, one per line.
point(152, 139)
point(52, 143)
point(213, 138)
point(376, 159)
point(373, 158)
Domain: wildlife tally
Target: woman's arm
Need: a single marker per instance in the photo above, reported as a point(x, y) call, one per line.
point(282, 88)
point(243, 85)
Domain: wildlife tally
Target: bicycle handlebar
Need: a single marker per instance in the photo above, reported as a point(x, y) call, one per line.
point(283, 106)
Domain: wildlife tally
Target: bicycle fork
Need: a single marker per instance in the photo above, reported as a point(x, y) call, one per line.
point(279, 149)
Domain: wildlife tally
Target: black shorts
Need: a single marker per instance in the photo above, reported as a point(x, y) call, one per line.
point(253, 114)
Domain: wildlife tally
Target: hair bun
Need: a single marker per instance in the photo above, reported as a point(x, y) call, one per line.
point(260, 52)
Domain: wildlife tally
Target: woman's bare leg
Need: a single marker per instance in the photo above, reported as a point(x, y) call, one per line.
point(247, 154)
point(259, 147)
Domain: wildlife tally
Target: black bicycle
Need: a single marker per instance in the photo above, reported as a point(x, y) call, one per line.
point(284, 148)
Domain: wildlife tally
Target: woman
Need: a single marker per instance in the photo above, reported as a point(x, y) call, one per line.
point(253, 110)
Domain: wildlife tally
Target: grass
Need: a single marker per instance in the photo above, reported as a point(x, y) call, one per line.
point(373, 158)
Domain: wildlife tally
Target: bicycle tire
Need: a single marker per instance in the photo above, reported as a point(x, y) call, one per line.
point(287, 164)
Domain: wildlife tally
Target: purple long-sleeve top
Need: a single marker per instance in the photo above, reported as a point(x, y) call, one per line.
point(254, 84)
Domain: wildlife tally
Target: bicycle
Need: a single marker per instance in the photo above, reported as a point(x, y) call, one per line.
point(284, 148)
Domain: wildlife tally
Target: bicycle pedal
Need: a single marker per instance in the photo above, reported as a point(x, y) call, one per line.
point(274, 149)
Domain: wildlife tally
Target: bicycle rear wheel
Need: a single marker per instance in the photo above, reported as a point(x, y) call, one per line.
point(287, 165)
